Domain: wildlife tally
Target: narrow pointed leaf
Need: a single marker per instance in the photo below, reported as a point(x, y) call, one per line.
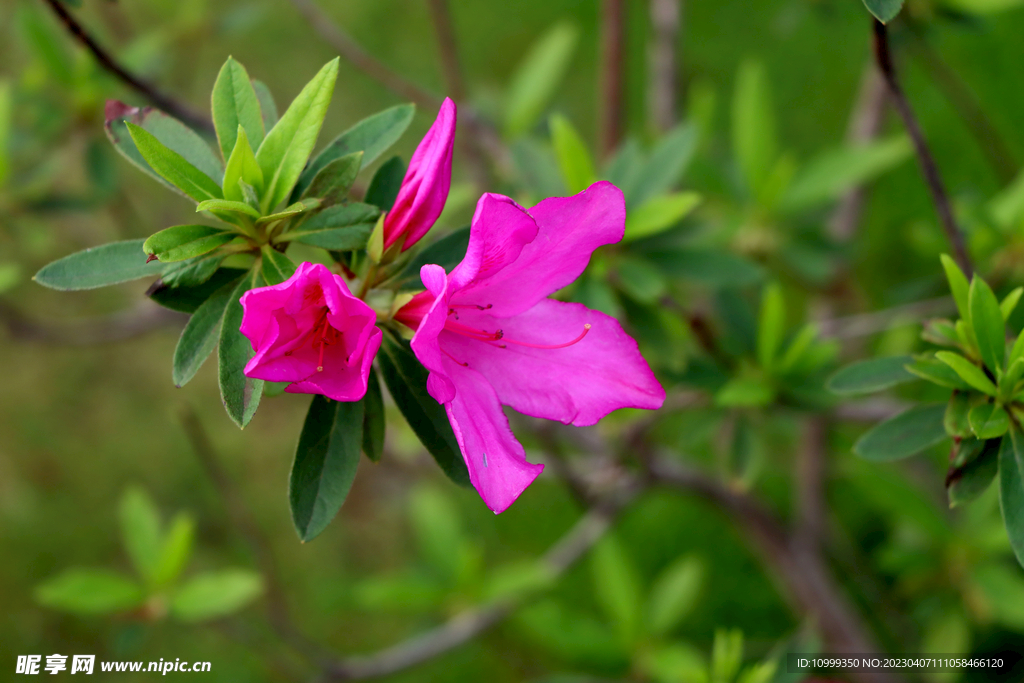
point(754, 134)
point(1011, 490)
point(175, 551)
point(234, 106)
point(299, 207)
point(406, 380)
point(771, 325)
point(215, 594)
point(182, 242)
point(987, 321)
point(240, 394)
point(1009, 303)
point(339, 228)
point(140, 531)
point(287, 146)
point(201, 334)
point(664, 167)
point(242, 167)
point(958, 285)
point(373, 419)
point(188, 299)
point(936, 372)
point(537, 77)
point(956, 419)
point(89, 591)
point(884, 10)
point(659, 214)
point(335, 179)
point(372, 136)
point(573, 156)
point(968, 371)
point(275, 267)
point(108, 264)
point(904, 435)
point(268, 108)
point(988, 421)
point(869, 376)
point(386, 182)
point(227, 205)
point(173, 167)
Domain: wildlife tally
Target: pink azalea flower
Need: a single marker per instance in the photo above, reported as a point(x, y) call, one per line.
point(310, 331)
point(489, 335)
point(425, 187)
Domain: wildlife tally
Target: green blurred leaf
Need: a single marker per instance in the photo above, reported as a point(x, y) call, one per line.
point(830, 175)
point(108, 264)
point(869, 376)
point(275, 267)
point(10, 276)
point(201, 333)
point(771, 325)
point(989, 326)
point(173, 167)
point(968, 371)
point(435, 524)
point(411, 593)
point(988, 421)
point(663, 168)
point(884, 10)
point(901, 436)
point(215, 594)
point(1009, 303)
point(332, 183)
point(325, 463)
point(372, 136)
point(572, 154)
point(287, 146)
point(571, 635)
point(726, 654)
point(674, 663)
point(242, 167)
point(640, 280)
point(517, 581)
point(386, 182)
point(1002, 589)
point(175, 550)
point(185, 241)
point(235, 106)
point(537, 77)
point(240, 394)
point(373, 419)
point(955, 419)
point(268, 108)
point(140, 532)
point(1011, 490)
point(707, 266)
point(340, 228)
point(937, 372)
point(753, 125)
point(969, 479)
point(659, 214)
point(958, 286)
point(89, 591)
point(6, 116)
point(406, 379)
point(47, 44)
point(745, 392)
point(617, 587)
point(673, 595)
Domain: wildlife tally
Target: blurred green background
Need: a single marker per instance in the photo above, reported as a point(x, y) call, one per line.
point(81, 422)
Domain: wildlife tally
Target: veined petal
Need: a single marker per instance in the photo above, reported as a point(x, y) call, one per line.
point(342, 382)
point(577, 384)
point(500, 231)
point(424, 342)
point(496, 460)
point(259, 304)
point(570, 229)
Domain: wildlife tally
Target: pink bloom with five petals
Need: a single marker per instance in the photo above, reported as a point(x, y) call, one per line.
point(310, 331)
point(424, 189)
point(489, 335)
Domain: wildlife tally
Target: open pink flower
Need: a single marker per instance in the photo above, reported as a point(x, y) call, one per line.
point(425, 187)
point(489, 336)
point(310, 331)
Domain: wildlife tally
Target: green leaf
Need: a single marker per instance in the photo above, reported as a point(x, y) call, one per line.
point(226, 205)
point(1009, 303)
point(901, 436)
point(325, 463)
point(446, 252)
point(240, 394)
point(185, 241)
point(884, 10)
point(640, 280)
point(275, 267)
point(215, 594)
point(673, 595)
point(340, 228)
point(869, 376)
point(384, 185)
point(659, 214)
point(707, 266)
point(189, 299)
point(201, 334)
point(617, 586)
point(1016, 351)
point(745, 392)
point(726, 654)
point(972, 476)
point(1009, 380)
point(242, 167)
point(1011, 490)
point(955, 419)
point(802, 347)
point(573, 157)
point(406, 379)
point(988, 421)
point(830, 175)
point(89, 591)
point(754, 136)
point(140, 532)
point(958, 286)
point(537, 77)
point(989, 326)
point(771, 326)
point(936, 372)
point(438, 533)
point(173, 167)
point(6, 116)
point(192, 272)
point(663, 168)
point(235, 106)
point(285, 150)
point(372, 136)
point(108, 264)
point(176, 550)
point(968, 371)
point(373, 419)
point(335, 179)
point(941, 333)
point(268, 108)
point(300, 207)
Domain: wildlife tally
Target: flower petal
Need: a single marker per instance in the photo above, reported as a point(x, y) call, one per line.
point(577, 384)
point(259, 304)
point(499, 232)
point(496, 460)
point(424, 342)
point(570, 229)
point(342, 381)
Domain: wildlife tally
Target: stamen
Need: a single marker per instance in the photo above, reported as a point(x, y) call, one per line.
point(586, 328)
point(465, 365)
point(452, 307)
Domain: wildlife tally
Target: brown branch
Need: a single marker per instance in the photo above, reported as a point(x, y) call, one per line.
point(159, 99)
point(662, 65)
point(933, 179)
point(811, 506)
point(611, 101)
point(143, 318)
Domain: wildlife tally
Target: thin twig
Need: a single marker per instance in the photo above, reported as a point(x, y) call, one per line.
point(141, 319)
point(883, 58)
point(663, 65)
point(159, 99)
point(611, 101)
point(811, 506)
point(864, 324)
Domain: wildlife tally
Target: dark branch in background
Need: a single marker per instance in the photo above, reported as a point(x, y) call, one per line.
point(810, 479)
point(157, 98)
point(663, 65)
point(143, 318)
point(611, 101)
point(883, 58)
